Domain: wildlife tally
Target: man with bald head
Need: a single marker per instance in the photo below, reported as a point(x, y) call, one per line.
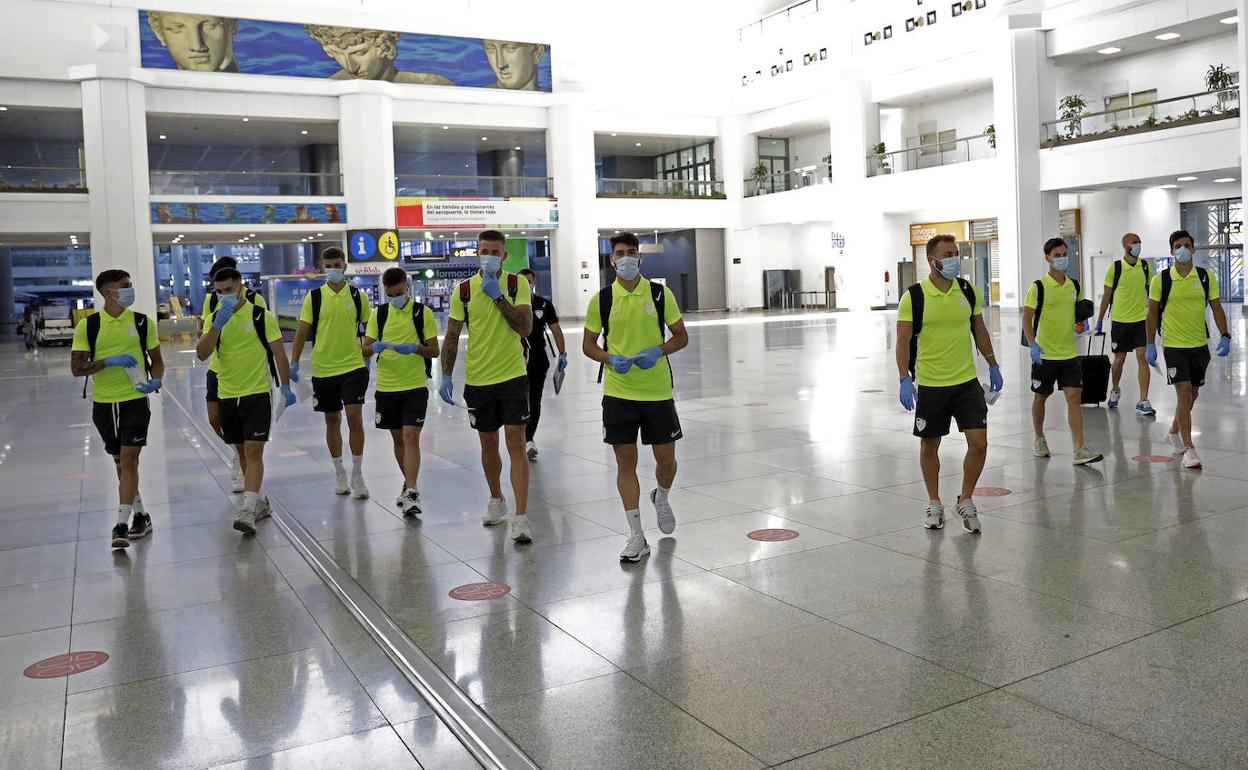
point(195, 41)
point(1126, 291)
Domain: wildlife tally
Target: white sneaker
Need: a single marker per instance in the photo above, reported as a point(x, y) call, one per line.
point(1176, 441)
point(245, 521)
point(399, 500)
point(1192, 460)
point(1040, 448)
point(520, 530)
point(236, 476)
point(635, 549)
point(340, 483)
point(410, 505)
point(667, 518)
point(357, 486)
point(263, 509)
point(531, 450)
point(495, 512)
point(1085, 456)
point(935, 518)
point(969, 514)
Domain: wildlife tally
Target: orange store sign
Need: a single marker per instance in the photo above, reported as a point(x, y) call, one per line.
point(921, 234)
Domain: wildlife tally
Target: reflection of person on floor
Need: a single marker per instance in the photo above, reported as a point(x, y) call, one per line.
point(196, 42)
point(515, 65)
point(270, 702)
point(367, 54)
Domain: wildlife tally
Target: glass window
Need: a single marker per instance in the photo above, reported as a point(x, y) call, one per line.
point(686, 157)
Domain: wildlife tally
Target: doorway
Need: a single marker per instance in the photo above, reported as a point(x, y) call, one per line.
point(777, 284)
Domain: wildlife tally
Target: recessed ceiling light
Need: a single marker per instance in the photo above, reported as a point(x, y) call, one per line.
point(1230, 20)
point(1225, 179)
point(320, 235)
point(484, 138)
point(304, 132)
point(1168, 36)
point(4, 109)
point(636, 144)
point(516, 148)
point(162, 136)
point(1187, 179)
point(445, 127)
point(1169, 186)
point(246, 120)
point(614, 134)
point(1110, 51)
point(522, 232)
point(251, 235)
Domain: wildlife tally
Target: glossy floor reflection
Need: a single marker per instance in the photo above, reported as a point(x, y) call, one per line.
point(1098, 621)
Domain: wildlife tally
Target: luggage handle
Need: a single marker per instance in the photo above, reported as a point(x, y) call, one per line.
point(1103, 336)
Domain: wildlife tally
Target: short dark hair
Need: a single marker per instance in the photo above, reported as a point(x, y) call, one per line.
point(227, 274)
point(394, 276)
point(109, 276)
point(1179, 235)
point(935, 241)
point(491, 235)
point(220, 263)
point(333, 252)
point(628, 239)
point(527, 272)
point(1051, 244)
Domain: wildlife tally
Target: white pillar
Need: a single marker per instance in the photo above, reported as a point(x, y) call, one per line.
point(742, 279)
point(574, 253)
point(114, 123)
point(856, 128)
point(366, 155)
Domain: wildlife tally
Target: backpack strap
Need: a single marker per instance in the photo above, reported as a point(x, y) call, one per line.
point(968, 291)
point(140, 325)
point(418, 321)
point(658, 295)
point(359, 311)
point(1035, 321)
point(1203, 275)
point(257, 322)
point(465, 294)
point(605, 298)
point(213, 301)
point(93, 333)
point(316, 312)
point(513, 286)
point(1118, 276)
point(917, 301)
point(383, 312)
point(1078, 289)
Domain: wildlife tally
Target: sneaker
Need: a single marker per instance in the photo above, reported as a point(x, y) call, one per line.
point(1115, 396)
point(1040, 448)
point(399, 500)
point(358, 489)
point(635, 549)
point(969, 514)
point(1145, 409)
point(1191, 460)
point(263, 509)
point(531, 450)
point(520, 530)
point(236, 477)
point(667, 518)
point(495, 512)
point(410, 505)
point(935, 515)
point(121, 536)
point(340, 483)
point(140, 525)
point(245, 522)
point(1176, 441)
point(1085, 456)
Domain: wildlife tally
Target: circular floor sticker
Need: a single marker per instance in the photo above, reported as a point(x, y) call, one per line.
point(65, 665)
point(1153, 459)
point(772, 535)
point(991, 491)
point(476, 592)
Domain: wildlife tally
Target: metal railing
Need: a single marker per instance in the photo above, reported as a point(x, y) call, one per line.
point(783, 181)
point(244, 183)
point(933, 155)
point(453, 186)
point(42, 179)
point(1166, 113)
point(659, 188)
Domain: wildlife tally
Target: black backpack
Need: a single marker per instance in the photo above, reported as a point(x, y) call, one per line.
point(1167, 283)
point(316, 312)
point(93, 333)
point(1118, 275)
point(1081, 309)
point(214, 300)
point(257, 323)
point(657, 296)
point(418, 321)
point(917, 300)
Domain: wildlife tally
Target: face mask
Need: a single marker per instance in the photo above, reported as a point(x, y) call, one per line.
point(491, 264)
point(949, 267)
point(1061, 263)
point(627, 267)
point(1135, 249)
point(228, 301)
point(397, 302)
point(334, 275)
point(1183, 256)
point(125, 297)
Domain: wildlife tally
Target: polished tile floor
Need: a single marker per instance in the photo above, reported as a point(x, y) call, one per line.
point(1100, 620)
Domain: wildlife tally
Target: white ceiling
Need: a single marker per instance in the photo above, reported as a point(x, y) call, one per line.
point(234, 132)
point(607, 143)
point(1147, 43)
point(25, 123)
point(466, 139)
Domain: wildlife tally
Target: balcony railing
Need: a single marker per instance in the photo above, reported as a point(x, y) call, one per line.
point(244, 183)
point(783, 181)
point(659, 188)
point(933, 155)
point(42, 179)
point(1123, 121)
point(452, 186)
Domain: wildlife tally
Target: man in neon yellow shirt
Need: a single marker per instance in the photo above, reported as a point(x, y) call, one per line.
point(947, 313)
point(105, 345)
point(1126, 284)
point(1049, 329)
point(331, 318)
point(637, 395)
point(402, 334)
point(499, 311)
point(1176, 305)
point(245, 367)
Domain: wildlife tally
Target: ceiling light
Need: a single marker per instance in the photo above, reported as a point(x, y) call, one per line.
point(614, 134)
point(516, 148)
point(484, 138)
point(445, 127)
point(1186, 179)
point(1109, 51)
point(1169, 187)
point(304, 132)
point(4, 109)
point(162, 136)
point(246, 120)
point(251, 235)
point(522, 232)
point(1230, 20)
point(1225, 179)
point(320, 235)
point(636, 144)
point(1168, 36)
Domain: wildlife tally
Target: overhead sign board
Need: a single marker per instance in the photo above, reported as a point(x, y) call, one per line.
point(370, 252)
point(921, 234)
point(477, 213)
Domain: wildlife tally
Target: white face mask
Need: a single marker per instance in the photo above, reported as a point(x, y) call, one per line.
point(627, 267)
point(1061, 263)
point(1135, 249)
point(1182, 255)
point(949, 267)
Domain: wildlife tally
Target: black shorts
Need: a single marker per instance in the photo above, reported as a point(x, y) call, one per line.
point(938, 404)
point(1067, 373)
point(492, 406)
point(330, 393)
point(402, 408)
point(622, 419)
point(1127, 336)
point(211, 395)
point(1187, 365)
point(246, 419)
point(122, 424)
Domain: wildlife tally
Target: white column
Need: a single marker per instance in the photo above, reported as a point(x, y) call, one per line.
point(574, 252)
point(855, 128)
point(366, 155)
point(742, 280)
point(114, 123)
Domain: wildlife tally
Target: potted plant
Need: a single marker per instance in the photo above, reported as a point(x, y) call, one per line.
point(991, 131)
point(1220, 78)
point(1071, 110)
point(760, 175)
point(881, 159)
point(827, 162)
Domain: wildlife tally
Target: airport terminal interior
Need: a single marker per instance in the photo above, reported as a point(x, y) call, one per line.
point(776, 178)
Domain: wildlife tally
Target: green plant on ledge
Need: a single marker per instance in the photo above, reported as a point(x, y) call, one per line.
point(1071, 109)
point(760, 175)
point(991, 131)
point(881, 159)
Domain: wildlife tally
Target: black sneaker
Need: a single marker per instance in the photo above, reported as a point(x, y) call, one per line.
point(140, 525)
point(121, 536)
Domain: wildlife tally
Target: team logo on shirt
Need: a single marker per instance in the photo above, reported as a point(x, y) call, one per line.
point(133, 332)
point(919, 423)
point(1035, 384)
point(649, 308)
point(538, 313)
point(962, 301)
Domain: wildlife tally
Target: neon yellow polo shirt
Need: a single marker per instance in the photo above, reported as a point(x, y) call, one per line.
point(243, 362)
point(1056, 334)
point(117, 337)
point(206, 316)
point(337, 348)
point(1131, 298)
point(495, 352)
point(945, 353)
point(1183, 323)
point(635, 327)
point(397, 372)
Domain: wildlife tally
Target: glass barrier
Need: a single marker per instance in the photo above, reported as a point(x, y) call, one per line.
point(1121, 121)
point(783, 181)
point(659, 188)
point(244, 183)
point(451, 186)
point(42, 179)
point(933, 155)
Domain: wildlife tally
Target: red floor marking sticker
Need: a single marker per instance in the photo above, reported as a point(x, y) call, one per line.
point(1153, 459)
point(79, 476)
point(65, 665)
point(772, 535)
point(476, 592)
point(991, 491)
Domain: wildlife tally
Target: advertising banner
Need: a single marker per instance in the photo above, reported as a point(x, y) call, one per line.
point(477, 213)
point(289, 294)
point(248, 213)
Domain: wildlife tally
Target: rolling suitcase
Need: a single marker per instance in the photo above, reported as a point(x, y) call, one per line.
point(1095, 375)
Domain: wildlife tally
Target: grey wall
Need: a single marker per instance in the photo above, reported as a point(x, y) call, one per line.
point(709, 247)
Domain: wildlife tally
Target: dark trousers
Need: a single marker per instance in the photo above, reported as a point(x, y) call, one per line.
point(537, 381)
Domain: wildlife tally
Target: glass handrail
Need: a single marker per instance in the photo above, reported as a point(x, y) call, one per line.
point(42, 179)
point(1164, 113)
point(659, 188)
point(473, 186)
point(793, 179)
point(236, 182)
point(933, 154)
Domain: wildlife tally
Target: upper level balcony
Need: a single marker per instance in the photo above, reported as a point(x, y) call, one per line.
point(42, 179)
point(660, 188)
point(281, 183)
point(785, 181)
point(465, 186)
point(1075, 126)
point(933, 155)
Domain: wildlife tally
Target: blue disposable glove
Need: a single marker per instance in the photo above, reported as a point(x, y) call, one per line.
point(995, 382)
point(379, 346)
point(908, 393)
point(563, 361)
point(404, 348)
point(124, 360)
point(621, 364)
point(1224, 347)
point(489, 285)
point(225, 311)
point(1036, 353)
point(647, 358)
point(1099, 331)
point(289, 394)
point(447, 389)
point(1150, 354)
point(151, 386)
point(294, 371)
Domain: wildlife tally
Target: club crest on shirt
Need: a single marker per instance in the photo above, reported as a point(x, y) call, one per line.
point(962, 301)
point(649, 308)
point(1171, 371)
point(537, 313)
point(133, 332)
point(919, 423)
point(377, 419)
point(1035, 384)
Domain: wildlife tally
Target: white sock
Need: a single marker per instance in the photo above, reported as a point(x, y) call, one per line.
point(357, 464)
point(137, 505)
point(661, 493)
point(123, 514)
point(338, 465)
point(634, 521)
point(251, 501)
